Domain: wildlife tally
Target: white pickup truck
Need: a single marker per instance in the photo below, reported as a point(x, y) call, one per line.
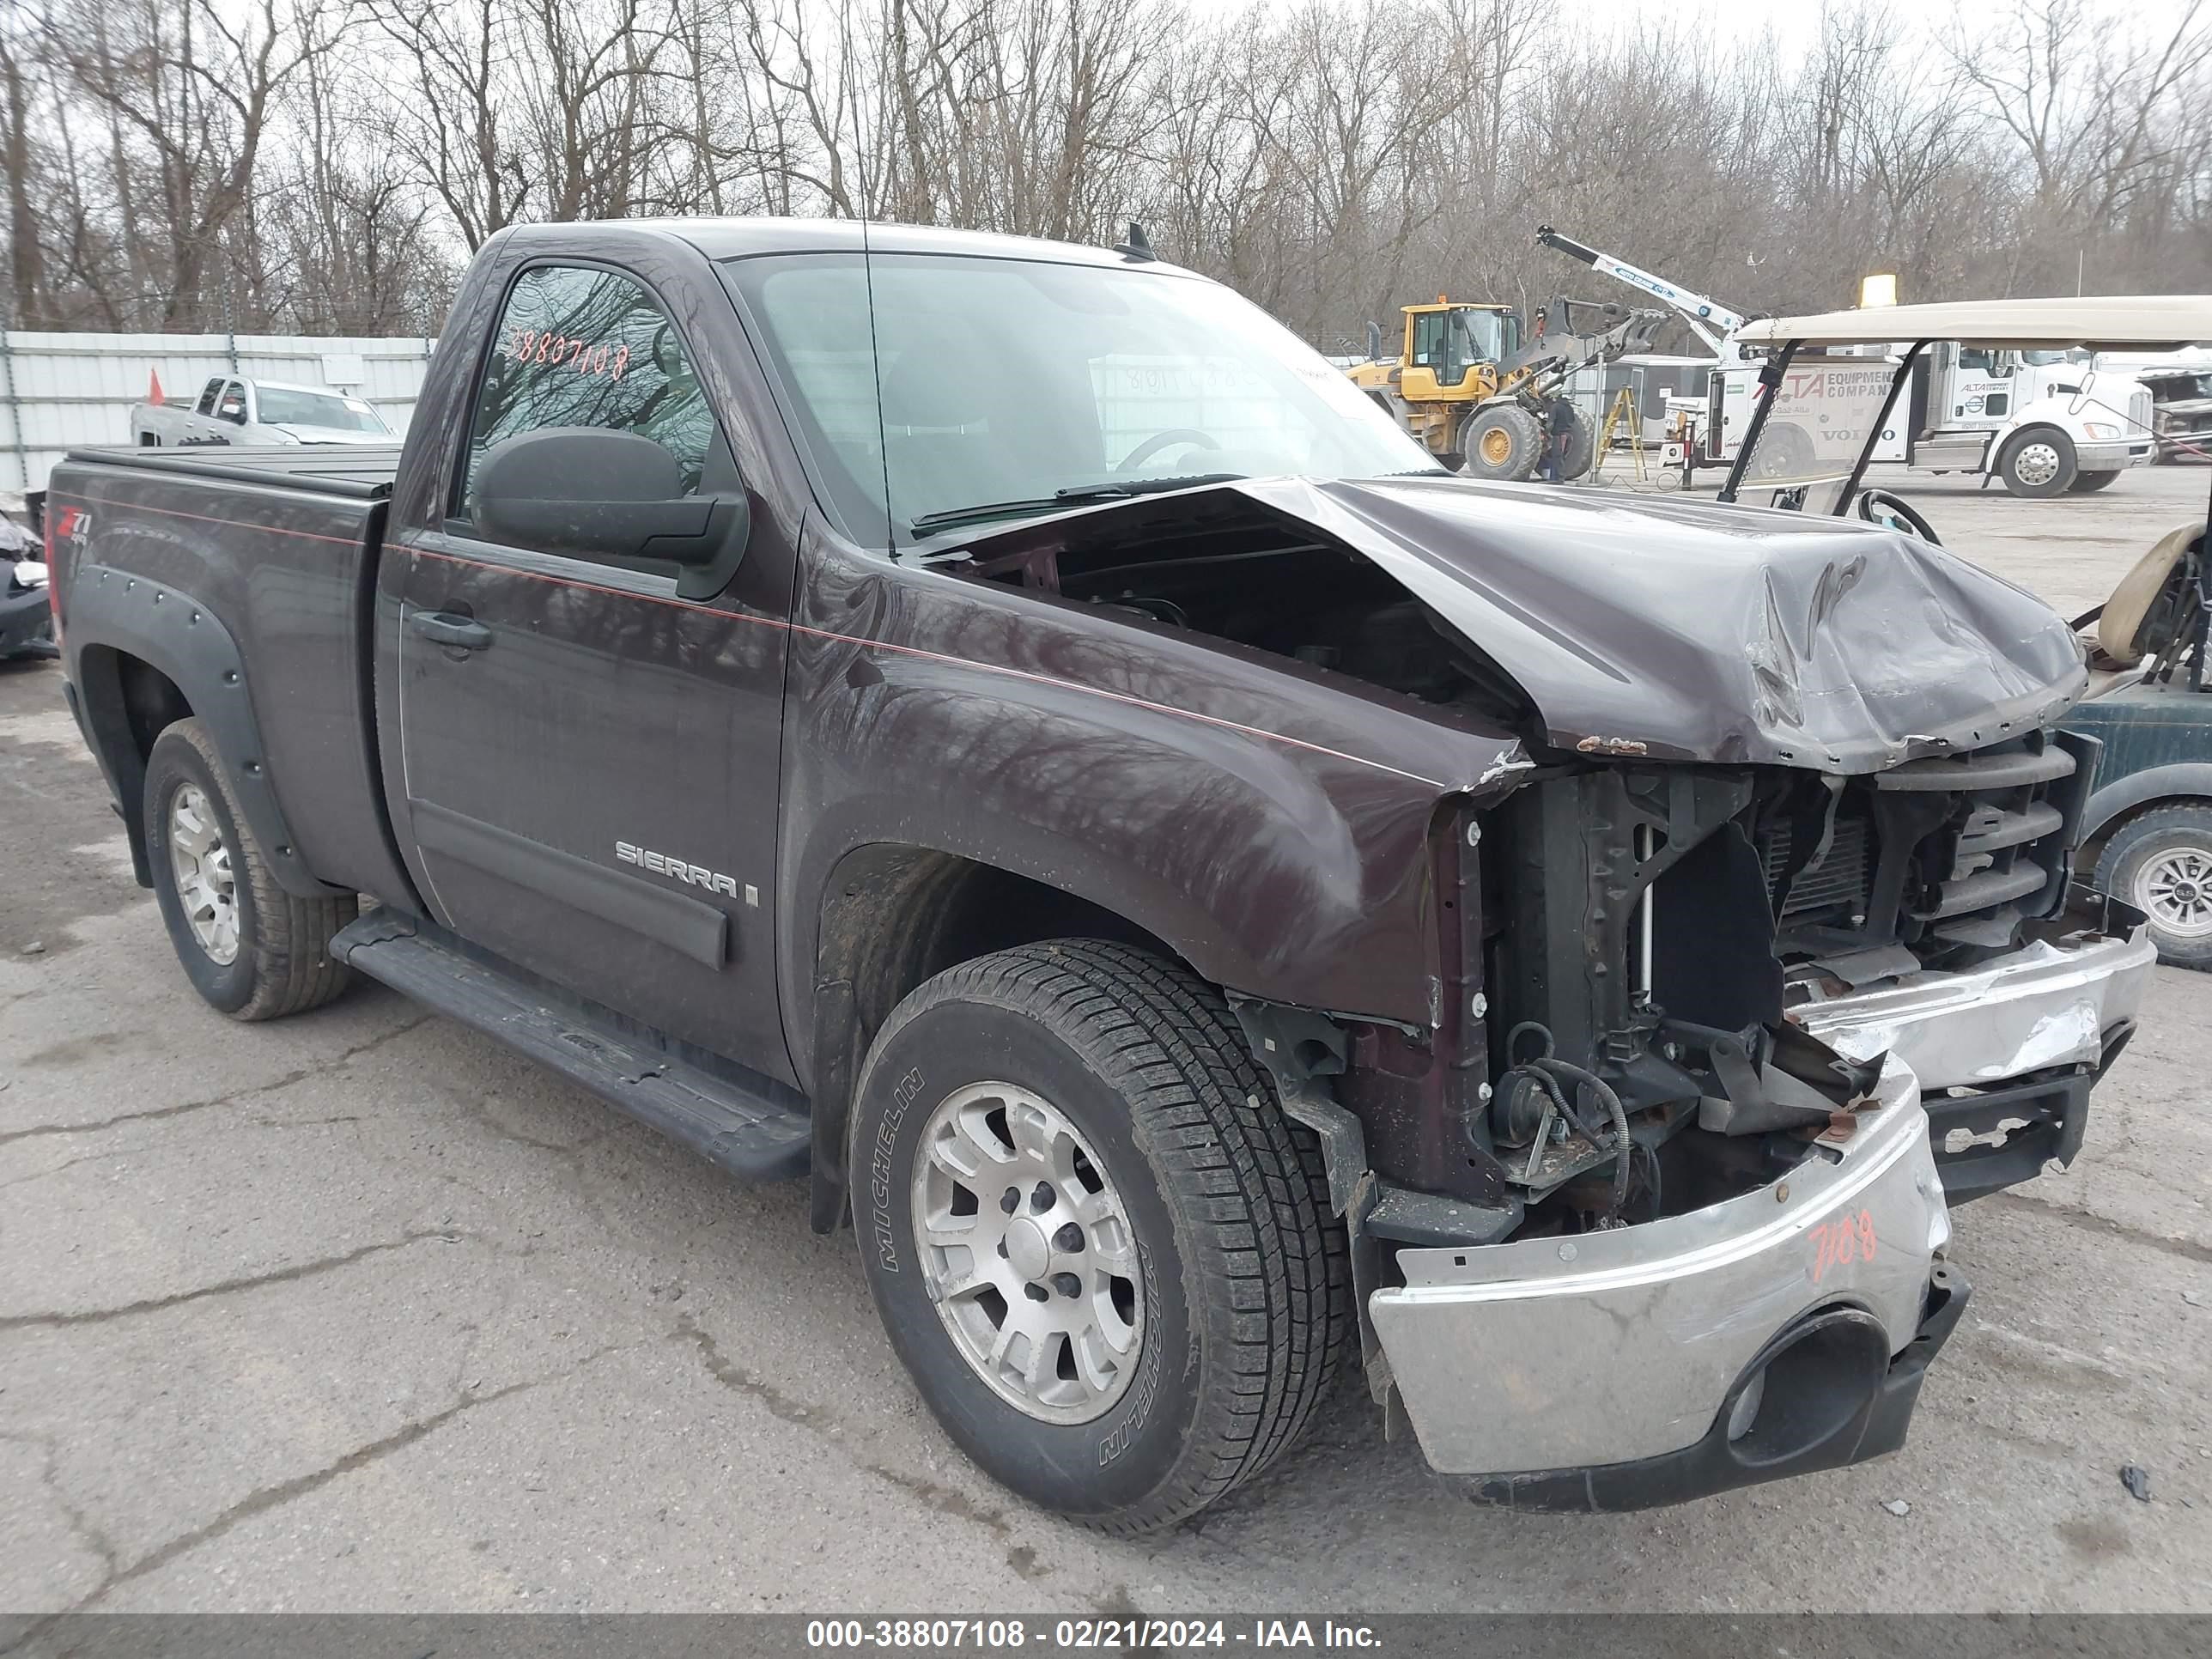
point(232, 410)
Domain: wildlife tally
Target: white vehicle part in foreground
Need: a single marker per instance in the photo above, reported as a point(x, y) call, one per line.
point(1608, 1347)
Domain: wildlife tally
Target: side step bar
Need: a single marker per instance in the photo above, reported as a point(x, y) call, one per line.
point(752, 1136)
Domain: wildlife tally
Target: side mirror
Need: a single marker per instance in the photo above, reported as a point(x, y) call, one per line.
point(594, 493)
point(232, 410)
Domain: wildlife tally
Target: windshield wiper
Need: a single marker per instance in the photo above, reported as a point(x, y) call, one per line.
point(1110, 489)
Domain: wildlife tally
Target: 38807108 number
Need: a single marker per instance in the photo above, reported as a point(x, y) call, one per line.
point(931, 1635)
point(530, 345)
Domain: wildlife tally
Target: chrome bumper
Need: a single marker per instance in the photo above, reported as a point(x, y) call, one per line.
point(2114, 455)
point(1614, 1347)
point(2043, 1006)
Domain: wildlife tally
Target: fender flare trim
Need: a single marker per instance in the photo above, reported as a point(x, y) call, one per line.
point(2123, 795)
point(183, 638)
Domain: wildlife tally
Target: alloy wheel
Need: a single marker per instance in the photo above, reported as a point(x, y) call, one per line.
point(2036, 465)
point(207, 887)
point(1028, 1253)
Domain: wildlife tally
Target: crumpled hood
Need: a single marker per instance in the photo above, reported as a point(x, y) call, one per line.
point(1692, 631)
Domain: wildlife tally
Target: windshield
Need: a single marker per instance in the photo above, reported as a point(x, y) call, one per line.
point(1452, 342)
point(282, 406)
point(1822, 413)
point(1018, 383)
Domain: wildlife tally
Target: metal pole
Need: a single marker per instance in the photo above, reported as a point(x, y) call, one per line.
point(1874, 433)
point(1770, 380)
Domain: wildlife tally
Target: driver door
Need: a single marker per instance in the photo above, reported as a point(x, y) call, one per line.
point(591, 759)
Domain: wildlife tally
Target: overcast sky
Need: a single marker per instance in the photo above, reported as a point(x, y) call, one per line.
point(1791, 20)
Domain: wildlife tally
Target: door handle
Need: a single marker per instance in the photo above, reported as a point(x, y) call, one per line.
point(447, 629)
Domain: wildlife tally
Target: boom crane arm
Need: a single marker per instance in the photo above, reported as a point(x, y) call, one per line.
point(1710, 321)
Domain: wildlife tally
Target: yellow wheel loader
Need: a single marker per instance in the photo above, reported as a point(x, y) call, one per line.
point(1482, 400)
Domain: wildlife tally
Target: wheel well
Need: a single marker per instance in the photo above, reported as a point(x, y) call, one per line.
point(891, 917)
point(894, 916)
point(2092, 849)
point(2012, 439)
point(128, 702)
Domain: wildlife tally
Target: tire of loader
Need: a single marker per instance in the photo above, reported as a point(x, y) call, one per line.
point(1503, 441)
point(1581, 446)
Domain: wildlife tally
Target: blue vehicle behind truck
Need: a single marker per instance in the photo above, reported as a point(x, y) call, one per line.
point(2147, 829)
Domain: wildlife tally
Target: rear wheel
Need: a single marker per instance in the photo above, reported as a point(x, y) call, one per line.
point(1784, 454)
point(1502, 442)
point(2084, 482)
point(1578, 444)
point(2039, 463)
point(250, 948)
point(2161, 863)
point(1098, 1245)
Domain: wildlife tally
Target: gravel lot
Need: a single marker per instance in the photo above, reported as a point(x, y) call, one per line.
point(356, 1311)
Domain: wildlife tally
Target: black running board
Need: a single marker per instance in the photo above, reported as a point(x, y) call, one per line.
point(752, 1136)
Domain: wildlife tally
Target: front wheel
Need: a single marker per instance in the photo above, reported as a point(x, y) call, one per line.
point(250, 948)
point(2161, 863)
point(2085, 483)
point(1503, 441)
point(1099, 1246)
point(2039, 463)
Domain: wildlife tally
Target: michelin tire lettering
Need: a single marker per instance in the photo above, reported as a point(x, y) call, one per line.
point(879, 1172)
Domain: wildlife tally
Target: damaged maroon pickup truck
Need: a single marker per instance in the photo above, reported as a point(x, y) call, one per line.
point(1004, 732)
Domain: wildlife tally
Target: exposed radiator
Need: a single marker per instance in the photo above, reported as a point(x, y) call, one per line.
point(1837, 879)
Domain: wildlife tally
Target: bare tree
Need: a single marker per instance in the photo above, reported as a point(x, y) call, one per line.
point(329, 164)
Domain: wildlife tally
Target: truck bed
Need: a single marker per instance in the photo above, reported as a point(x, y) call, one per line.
point(276, 547)
point(364, 473)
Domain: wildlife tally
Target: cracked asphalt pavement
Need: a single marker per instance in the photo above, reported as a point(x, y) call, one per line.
point(358, 1311)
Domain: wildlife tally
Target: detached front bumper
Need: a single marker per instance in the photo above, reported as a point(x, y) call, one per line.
point(2018, 1041)
point(1779, 1331)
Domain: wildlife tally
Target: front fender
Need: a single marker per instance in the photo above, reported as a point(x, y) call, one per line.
point(1268, 826)
point(2058, 410)
point(2186, 779)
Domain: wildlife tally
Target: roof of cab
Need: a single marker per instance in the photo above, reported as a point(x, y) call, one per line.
point(736, 238)
point(2103, 322)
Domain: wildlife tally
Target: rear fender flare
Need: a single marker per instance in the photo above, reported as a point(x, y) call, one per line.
point(184, 639)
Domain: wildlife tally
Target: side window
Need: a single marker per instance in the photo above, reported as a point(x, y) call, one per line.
point(209, 393)
point(232, 404)
point(579, 347)
point(1429, 340)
